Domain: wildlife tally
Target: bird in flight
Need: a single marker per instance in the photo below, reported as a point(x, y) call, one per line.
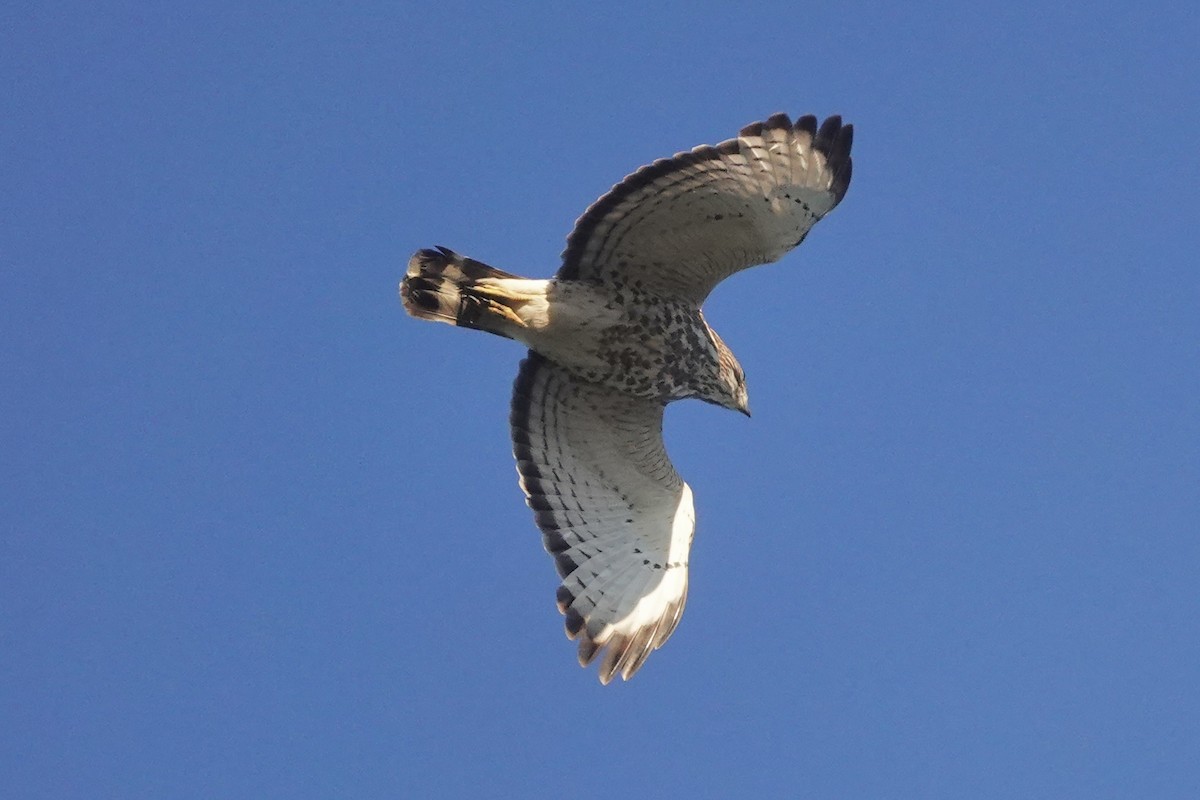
point(615, 336)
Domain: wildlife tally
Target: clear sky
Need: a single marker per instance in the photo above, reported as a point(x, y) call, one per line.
point(260, 532)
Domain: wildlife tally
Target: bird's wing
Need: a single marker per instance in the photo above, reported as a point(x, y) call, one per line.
point(682, 224)
point(613, 512)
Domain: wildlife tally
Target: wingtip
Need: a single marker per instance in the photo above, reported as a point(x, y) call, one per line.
point(834, 140)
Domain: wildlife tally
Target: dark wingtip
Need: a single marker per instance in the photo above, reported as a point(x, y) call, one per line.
point(753, 129)
point(574, 622)
point(565, 564)
point(841, 180)
point(773, 122)
point(587, 652)
point(847, 138)
point(563, 598)
point(779, 120)
point(834, 140)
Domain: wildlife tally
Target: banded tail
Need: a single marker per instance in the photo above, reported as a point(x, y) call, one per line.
point(443, 286)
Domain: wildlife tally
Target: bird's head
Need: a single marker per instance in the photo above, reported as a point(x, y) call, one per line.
point(732, 381)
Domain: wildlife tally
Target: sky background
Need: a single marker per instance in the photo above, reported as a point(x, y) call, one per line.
point(260, 532)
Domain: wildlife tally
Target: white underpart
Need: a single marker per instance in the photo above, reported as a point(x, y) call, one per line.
point(612, 509)
point(652, 605)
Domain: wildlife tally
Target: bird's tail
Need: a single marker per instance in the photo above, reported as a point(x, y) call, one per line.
point(443, 286)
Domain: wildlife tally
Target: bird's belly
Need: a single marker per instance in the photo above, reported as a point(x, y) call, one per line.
point(636, 344)
point(631, 359)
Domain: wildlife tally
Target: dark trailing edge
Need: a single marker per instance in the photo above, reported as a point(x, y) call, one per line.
point(519, 419)
point(554, 542)
point(623, 654)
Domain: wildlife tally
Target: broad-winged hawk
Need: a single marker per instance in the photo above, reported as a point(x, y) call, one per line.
point(615, 336)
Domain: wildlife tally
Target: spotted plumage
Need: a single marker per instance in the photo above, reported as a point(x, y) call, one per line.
point(616, 335)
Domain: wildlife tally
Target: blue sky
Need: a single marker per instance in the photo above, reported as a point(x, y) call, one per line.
point(260, 533)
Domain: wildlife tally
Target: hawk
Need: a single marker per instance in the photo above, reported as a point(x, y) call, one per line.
point(615, 336)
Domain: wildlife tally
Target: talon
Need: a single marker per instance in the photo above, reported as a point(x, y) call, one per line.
point(508, 314)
